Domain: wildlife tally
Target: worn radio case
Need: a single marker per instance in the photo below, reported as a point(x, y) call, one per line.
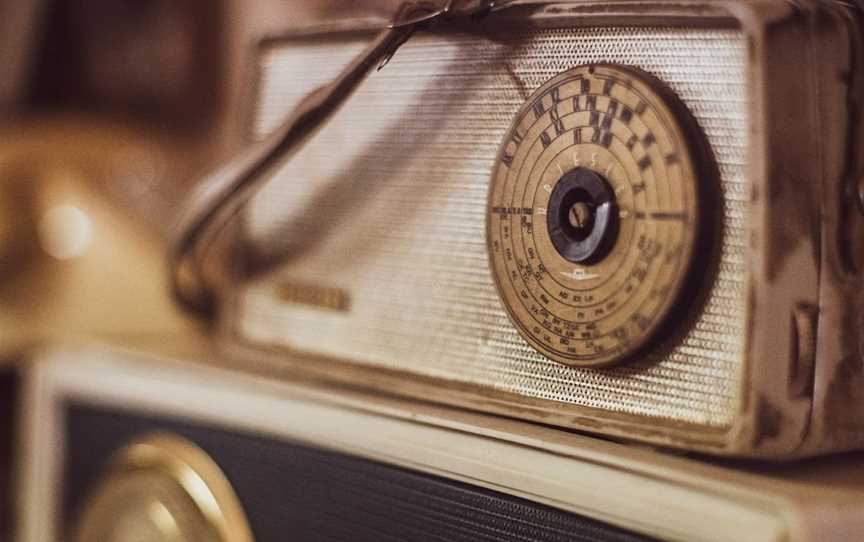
point(309, 462)
point(796, 384)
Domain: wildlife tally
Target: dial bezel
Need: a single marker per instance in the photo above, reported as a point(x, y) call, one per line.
point(688, 291)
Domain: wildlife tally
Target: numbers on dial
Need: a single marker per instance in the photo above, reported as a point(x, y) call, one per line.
point(595, 214)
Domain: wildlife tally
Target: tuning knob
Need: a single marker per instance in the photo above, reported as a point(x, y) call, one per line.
point(163, 488)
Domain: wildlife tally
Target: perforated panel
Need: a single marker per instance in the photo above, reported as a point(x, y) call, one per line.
point(387, 204)
point(295, 492)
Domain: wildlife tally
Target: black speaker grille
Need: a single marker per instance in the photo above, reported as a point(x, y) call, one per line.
point(299, 493)
point(9, 381)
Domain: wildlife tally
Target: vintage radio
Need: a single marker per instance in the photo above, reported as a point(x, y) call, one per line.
point(636, 219)
point(122, 444)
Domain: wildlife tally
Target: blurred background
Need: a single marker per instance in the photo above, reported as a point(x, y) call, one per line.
point(110, 111)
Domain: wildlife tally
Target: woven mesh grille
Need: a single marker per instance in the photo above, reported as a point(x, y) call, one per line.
point(388, 203)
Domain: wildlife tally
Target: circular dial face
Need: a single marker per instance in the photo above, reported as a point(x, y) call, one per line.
point(594, 213)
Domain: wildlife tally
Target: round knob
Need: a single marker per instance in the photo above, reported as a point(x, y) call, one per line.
point(583, 216)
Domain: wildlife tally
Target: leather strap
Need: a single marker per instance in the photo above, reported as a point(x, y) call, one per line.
point(218, 198)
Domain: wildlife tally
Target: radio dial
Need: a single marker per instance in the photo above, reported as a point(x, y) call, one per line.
point(596, 211)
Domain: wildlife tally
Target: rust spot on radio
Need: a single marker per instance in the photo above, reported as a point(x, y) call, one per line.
point(796, 223)
point(769, 421)
point(844, 393)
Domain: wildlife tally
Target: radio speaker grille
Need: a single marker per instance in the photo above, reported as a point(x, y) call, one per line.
point(387, 203)
point(296, 492)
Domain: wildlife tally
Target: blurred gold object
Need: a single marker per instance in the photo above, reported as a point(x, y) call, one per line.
point(164, 488)
point(77, 256)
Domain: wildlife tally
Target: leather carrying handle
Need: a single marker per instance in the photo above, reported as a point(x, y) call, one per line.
point(220, 196)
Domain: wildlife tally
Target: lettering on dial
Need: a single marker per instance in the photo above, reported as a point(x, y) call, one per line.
point(597, 215)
